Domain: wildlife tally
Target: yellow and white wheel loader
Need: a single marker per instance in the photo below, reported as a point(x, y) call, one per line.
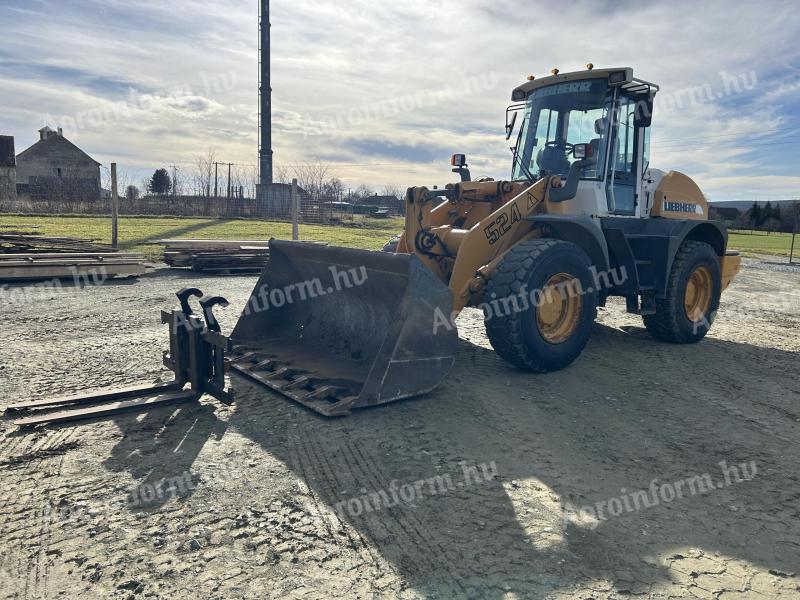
point(583, 217)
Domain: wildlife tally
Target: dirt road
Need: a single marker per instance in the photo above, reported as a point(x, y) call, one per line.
point(587, 483)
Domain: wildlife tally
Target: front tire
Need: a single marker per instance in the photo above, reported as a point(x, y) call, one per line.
point(391, 245)
point(539, 305)
point(692, 298)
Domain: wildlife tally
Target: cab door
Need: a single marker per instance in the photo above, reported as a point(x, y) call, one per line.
point(623, 166)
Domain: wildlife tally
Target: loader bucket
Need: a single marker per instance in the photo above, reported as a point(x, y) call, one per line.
point(337, 328)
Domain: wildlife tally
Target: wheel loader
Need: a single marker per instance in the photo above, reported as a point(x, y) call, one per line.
point(582, 217)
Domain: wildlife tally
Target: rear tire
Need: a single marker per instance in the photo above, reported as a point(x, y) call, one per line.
point(692, 299)
point(550, 330)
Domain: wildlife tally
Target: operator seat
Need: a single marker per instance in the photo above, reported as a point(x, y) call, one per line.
point(553, 160)
point(600, 127)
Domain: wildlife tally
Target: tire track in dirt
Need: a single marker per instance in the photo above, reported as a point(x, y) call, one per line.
point(415, 531)
point(35, 535)
point(378, 560)
point(302, 465)
point(401, 526)
point(320, 471)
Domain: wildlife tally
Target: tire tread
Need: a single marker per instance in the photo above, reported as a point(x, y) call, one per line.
point(506, 333)
point(663, 325)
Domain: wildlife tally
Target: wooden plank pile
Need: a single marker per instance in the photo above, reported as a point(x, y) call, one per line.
point(227, 256)
point(24, 257)
point(23, 242)
point(80, 266)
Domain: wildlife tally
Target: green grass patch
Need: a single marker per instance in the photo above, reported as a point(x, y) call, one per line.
point(760, 242)
point(140, 234)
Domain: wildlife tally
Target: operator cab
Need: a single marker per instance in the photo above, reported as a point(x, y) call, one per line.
point(592, 129)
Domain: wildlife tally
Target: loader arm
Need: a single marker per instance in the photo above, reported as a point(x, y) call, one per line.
point(462, 239)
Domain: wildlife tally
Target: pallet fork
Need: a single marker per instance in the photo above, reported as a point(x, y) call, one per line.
point(196, 355)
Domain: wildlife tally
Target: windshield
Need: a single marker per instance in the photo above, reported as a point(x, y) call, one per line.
point(556, 118)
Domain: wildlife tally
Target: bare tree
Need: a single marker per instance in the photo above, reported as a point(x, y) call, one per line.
point(145, 185)
point(124, 179)
point(281, 174)
point(178, 187)
point(204, 172)
point(333, 188)
point(251, 180)
point(391, 189)
point(312, 176)
point(239, 180)
point(105, 177)
point(362, 192)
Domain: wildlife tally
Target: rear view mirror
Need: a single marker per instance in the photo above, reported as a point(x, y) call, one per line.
point(643, 116)
point(510, 126)
point(582, 151)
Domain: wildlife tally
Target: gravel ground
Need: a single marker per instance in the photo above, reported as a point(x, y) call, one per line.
point(267, 500)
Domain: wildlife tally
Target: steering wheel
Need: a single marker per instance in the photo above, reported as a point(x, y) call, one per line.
point(559, 144)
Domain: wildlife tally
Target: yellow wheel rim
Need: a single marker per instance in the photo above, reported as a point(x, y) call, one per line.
point(559, 309)
point(697, 298)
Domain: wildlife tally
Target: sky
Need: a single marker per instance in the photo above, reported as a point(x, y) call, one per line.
point(386, 91)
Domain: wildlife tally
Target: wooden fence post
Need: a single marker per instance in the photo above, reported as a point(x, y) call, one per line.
point(114, 207)
point(295, 211)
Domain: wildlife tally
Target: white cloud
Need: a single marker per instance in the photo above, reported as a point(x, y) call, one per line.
point(197, 63)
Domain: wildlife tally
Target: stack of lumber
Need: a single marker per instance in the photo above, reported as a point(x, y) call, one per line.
point(23, 242)
point(25, 256)
point(229, 256)
point(82, 267)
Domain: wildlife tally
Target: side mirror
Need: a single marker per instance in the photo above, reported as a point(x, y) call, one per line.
point(510, 126)
point(643, 116)
point(581, 151)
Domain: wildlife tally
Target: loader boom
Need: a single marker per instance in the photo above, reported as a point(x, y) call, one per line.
point(458, 240)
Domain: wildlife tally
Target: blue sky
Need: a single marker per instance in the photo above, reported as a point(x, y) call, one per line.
point(386, 91)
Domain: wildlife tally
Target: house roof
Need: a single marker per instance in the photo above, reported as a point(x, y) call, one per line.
point(51, 143)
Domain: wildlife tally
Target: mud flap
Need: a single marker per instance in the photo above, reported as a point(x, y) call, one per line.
point(337, 328)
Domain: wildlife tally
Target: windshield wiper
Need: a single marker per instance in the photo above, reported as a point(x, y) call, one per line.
point(518, 159)
point(516, 156)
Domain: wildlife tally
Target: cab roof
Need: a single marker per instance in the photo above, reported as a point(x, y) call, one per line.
point(617, 76)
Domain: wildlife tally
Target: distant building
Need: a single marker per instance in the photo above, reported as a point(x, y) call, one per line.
point(8, 168)
point(55, 168)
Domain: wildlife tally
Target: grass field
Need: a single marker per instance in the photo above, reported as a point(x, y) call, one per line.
point(140, 234)
point(763, 243)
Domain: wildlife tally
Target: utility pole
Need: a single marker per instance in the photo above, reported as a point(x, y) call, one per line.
point(795, 221)
point(216, 175)
point(174, 180)
point(114, 208)
point(229, 180)
point(295, 211)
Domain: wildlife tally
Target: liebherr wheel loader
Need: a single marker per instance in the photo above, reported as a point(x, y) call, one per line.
point(583, 217)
